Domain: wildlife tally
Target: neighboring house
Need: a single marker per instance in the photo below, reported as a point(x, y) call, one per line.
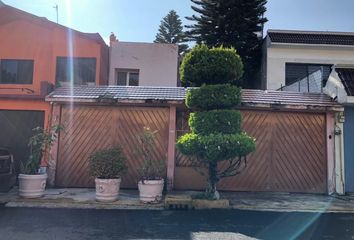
point(302, 60)
point(143, 64)
point(316, 62)
point(35, 55)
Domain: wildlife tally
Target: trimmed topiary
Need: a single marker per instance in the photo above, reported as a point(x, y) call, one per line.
point(211, 66)
point(215, 121)
point(216, 135)
point(216, 147)
point(209, 97)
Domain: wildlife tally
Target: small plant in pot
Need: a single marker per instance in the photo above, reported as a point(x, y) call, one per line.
point(151, 173)
point(107, 166)
point(31, 181)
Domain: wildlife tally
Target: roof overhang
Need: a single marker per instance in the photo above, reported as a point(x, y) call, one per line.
point(256, 99)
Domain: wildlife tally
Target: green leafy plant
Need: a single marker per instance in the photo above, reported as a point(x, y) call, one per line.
point(215, 124)
point(211, 66)
point(151, 169)
point(209, 97)
point(108, 163)
point(39, 144)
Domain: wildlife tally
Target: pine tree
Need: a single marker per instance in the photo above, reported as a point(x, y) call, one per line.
point(171, 31)
point(231, 23)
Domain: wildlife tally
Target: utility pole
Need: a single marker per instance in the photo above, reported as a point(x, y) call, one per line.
point(56, 8)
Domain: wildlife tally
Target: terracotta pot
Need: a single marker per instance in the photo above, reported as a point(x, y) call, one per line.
point(107, 190)
point(150, 191)
point(32, 186)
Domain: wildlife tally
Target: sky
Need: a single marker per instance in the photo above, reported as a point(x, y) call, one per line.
point(138, 20)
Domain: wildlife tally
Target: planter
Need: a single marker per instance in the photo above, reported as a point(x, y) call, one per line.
point(150, 191)
point(107, 190)
point(32, 186)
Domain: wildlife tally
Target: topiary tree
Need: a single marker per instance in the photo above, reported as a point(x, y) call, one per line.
point(211, 66)
point(215, 124)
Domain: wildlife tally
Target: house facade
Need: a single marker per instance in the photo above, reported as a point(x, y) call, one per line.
point(37, 55)
point(317, 62)
point(143, 64)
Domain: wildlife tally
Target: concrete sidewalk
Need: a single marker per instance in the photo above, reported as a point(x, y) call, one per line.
point(129, 199)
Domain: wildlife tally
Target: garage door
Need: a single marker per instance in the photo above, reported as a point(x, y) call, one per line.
point(16, 129)
point(290, 155)
point(88, 128)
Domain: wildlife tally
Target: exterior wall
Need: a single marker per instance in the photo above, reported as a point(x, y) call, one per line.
point(14, 104)
point(277, 56)
point(157, 63)
point(348, 148)
point(23, 39)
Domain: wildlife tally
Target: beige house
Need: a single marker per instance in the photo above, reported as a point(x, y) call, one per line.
point(143, 64)
point(317, 62)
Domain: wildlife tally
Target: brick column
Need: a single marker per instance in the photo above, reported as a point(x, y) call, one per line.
point(171, 153)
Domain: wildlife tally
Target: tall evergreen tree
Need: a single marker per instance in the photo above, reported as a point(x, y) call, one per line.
point(231, 23)
point(171, 31)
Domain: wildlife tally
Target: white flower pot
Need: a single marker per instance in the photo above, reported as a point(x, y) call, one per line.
point(32, 186)
point(150, 191)
point(107, 190)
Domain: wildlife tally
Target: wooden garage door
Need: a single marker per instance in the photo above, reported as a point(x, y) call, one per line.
point(90, 128)
point(290, 155)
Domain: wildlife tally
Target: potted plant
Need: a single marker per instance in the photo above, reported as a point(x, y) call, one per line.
point(107, 166)
point(151, 173)
point(32, 182)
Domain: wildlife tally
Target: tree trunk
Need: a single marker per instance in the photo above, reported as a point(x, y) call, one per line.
point(212, 180)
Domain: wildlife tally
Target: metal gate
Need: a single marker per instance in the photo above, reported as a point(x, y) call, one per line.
point(15, 131)
point(290, 155)
point(88, 128)
point(348, 148)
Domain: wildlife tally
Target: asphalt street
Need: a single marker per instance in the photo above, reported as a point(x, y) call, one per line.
point(41, 223)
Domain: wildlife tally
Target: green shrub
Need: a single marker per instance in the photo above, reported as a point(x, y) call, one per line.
point(209, 97)
point(40, 144)
point(211, 66)
point(108, 163)
point(215, 121)
point(152, 168)
point(216, 147)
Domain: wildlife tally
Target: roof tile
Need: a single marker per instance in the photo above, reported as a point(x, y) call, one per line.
point(311, 38)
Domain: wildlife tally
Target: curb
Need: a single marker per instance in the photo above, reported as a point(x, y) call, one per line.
point(84, 205)
point(308, 210)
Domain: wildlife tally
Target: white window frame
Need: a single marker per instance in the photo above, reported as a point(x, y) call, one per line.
point(128, 71)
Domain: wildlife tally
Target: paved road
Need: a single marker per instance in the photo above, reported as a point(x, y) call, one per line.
point(36, 223)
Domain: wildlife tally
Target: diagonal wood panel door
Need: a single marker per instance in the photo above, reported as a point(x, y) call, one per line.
point(91, 128)
point(290, 155)
point(86, 129)
point(299, 153)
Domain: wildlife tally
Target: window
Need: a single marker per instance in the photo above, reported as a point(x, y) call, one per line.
point(81, 71)
point(306, 77)
point(16, 71)
point(127, 77)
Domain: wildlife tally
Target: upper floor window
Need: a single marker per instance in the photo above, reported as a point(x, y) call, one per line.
point(306, 77)
point(79, 71)
point(127, 77)
point(15, 71)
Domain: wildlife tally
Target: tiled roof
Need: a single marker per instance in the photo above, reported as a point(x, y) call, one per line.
point(300, 37)
point(254, 97)
point(250, 97)
point(346, 75)
point(119, 92)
